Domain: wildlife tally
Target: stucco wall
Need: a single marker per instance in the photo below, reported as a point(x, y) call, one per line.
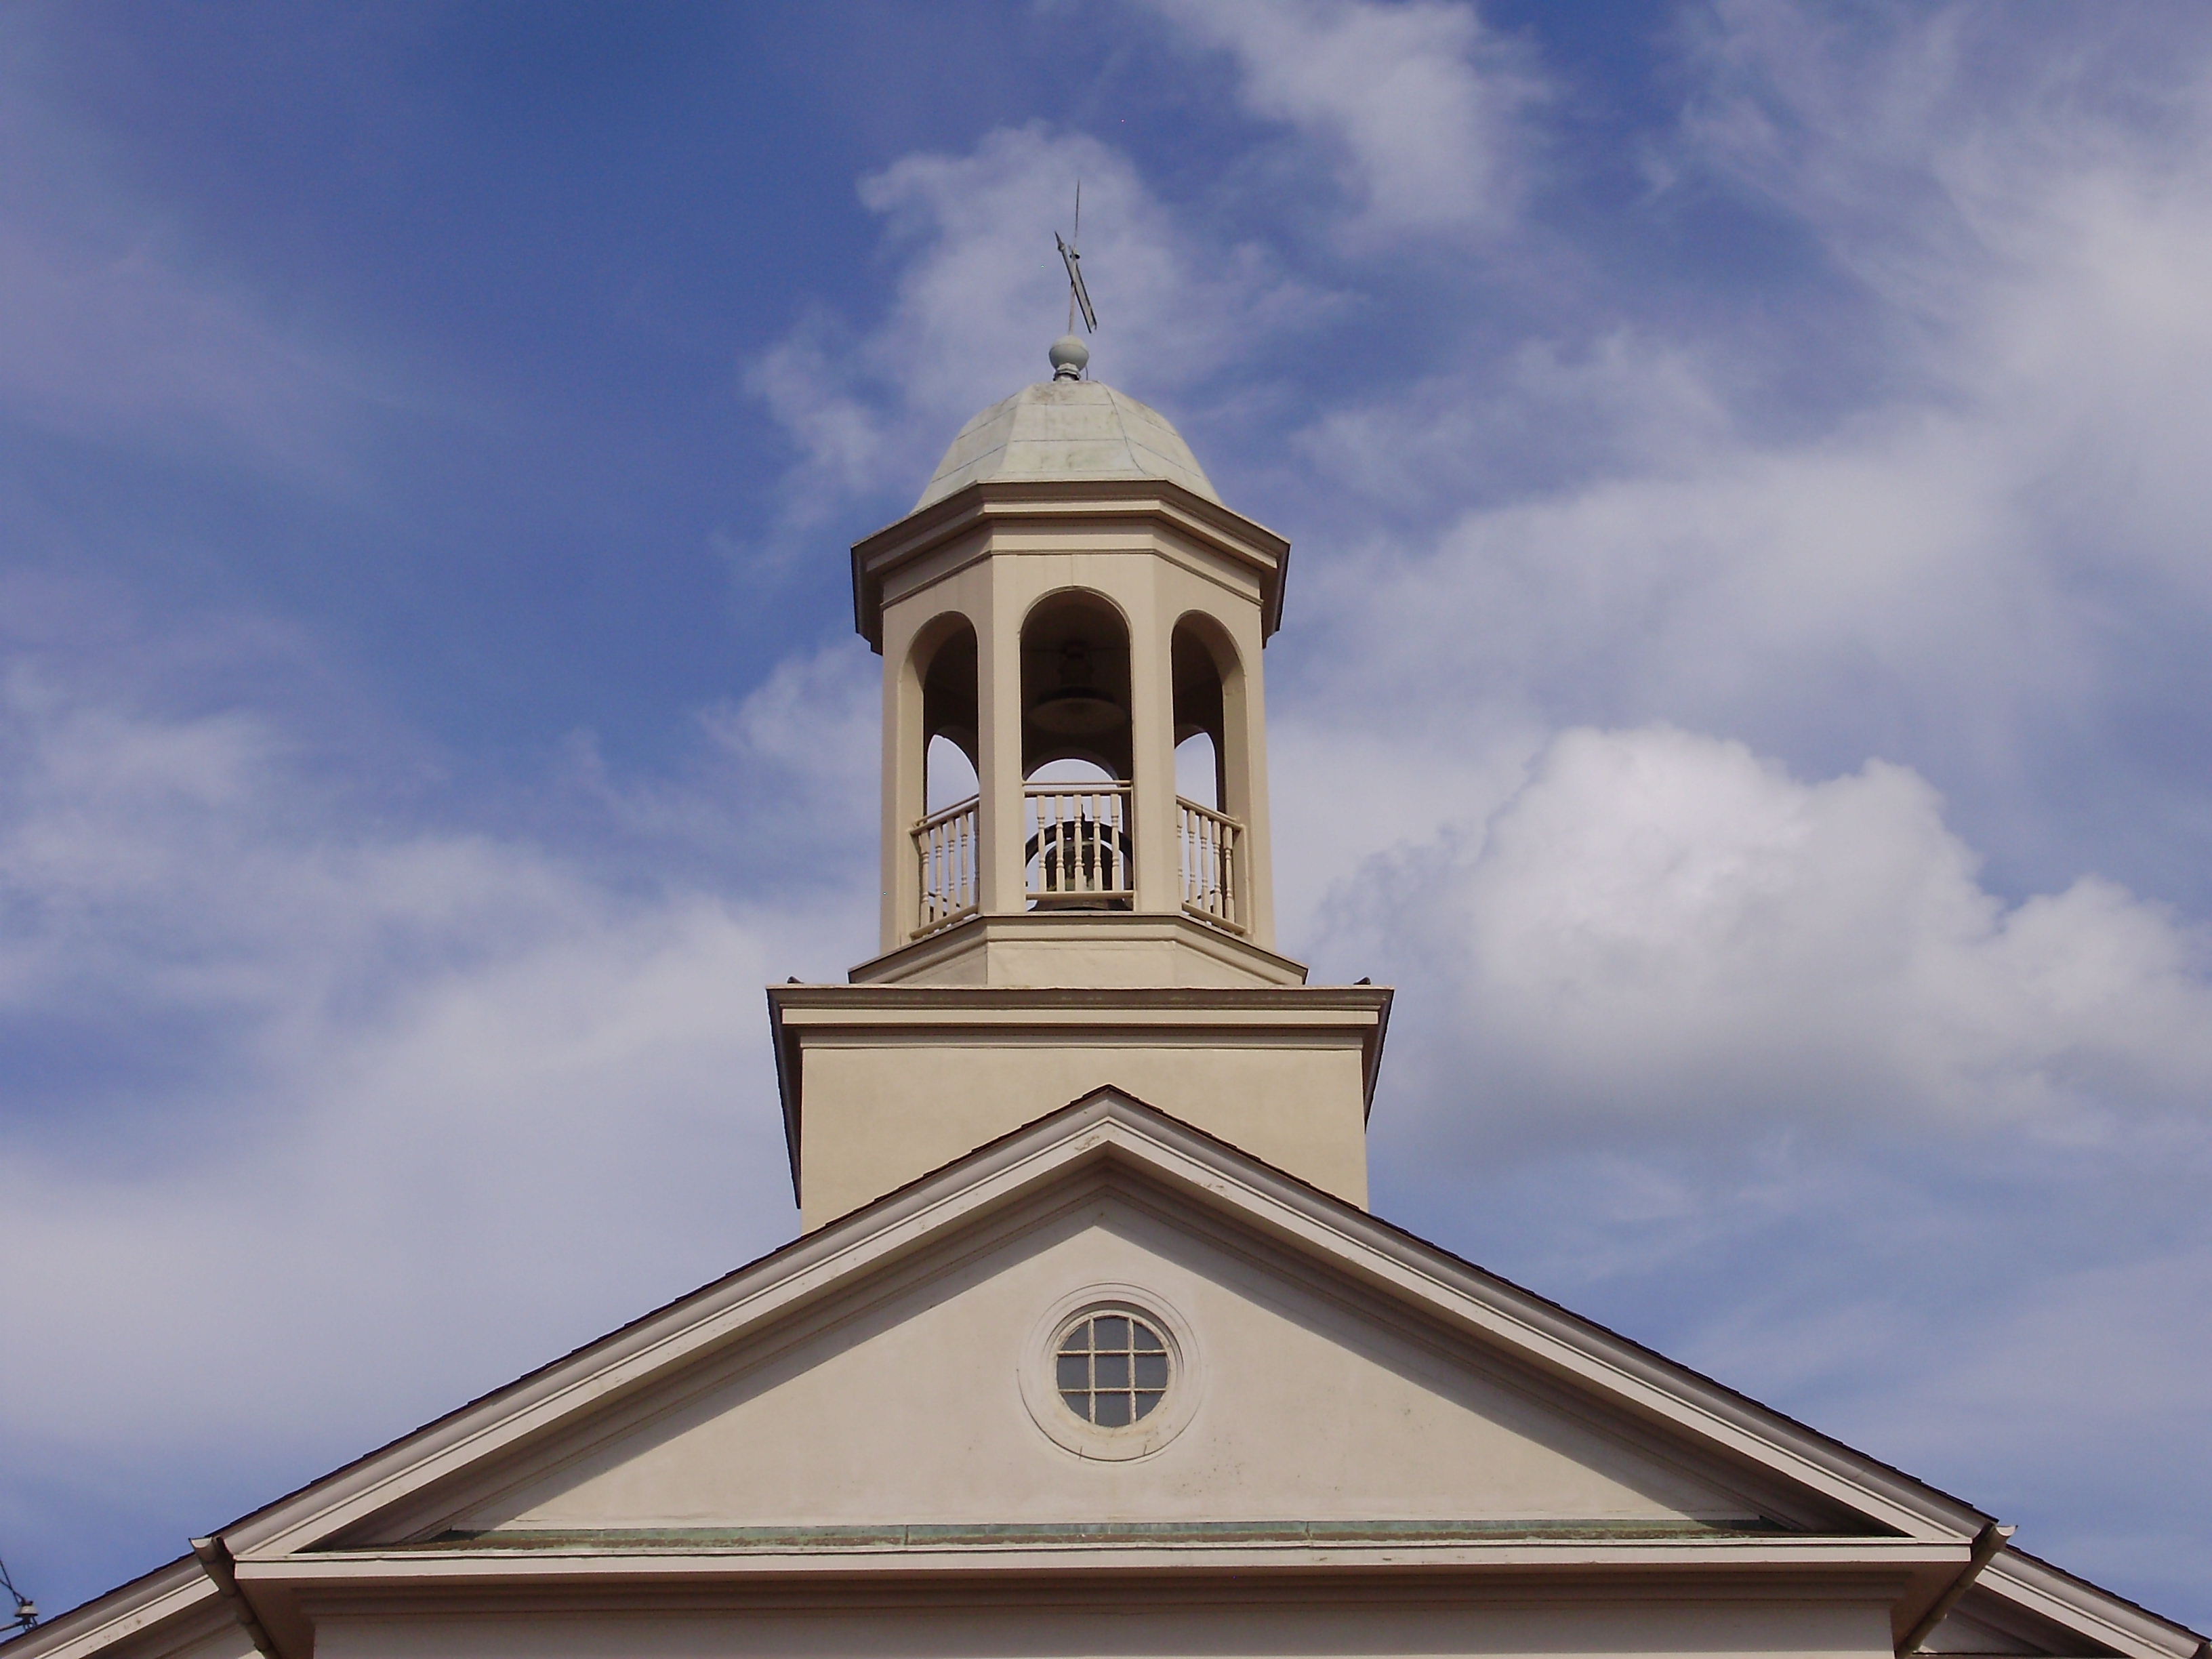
point(880, 1111)
point(1308, 1406)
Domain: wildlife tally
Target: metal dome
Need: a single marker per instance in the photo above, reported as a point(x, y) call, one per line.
point(1066, 429)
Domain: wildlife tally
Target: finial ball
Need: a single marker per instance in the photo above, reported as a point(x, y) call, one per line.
point(1069, 358)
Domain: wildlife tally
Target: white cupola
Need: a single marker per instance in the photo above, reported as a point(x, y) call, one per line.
point(1069, 603)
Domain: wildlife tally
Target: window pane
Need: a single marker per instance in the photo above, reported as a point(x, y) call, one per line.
point(1112, 1368)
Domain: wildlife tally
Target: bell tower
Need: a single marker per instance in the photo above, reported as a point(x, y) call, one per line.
point(1067, 606)
point(1067, 602)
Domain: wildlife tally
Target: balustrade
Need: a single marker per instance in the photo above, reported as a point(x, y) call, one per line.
point(1078, 855)
point(1211, 849)
point(945, 843)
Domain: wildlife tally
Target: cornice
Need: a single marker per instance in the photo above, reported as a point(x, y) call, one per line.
point(980, 931)
point(1892, 1560)
point(163, 1598)
point(991, 503)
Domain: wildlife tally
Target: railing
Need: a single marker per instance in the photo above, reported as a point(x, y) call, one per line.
point(1213, 875)
point(1077, 855)
point(945, 843)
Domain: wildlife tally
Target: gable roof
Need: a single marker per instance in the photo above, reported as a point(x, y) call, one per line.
point(1903, 1524)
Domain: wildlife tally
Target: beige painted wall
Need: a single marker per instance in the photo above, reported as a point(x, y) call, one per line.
point(879, 1112)
point(1308, 1406)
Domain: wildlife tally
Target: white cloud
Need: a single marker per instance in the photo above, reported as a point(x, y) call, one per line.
point(781, 795)
point(982, 295)
point(1421, 107)
point(1550, 415)
point(1659, 932)
point(403, 1111)
point(1971, 541)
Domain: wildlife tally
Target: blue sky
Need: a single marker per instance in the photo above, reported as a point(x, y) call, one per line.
point(1745, 675)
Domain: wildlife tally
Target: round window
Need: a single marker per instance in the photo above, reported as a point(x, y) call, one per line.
point(1111, 1368)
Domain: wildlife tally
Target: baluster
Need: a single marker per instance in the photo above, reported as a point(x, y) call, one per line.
point(945, 847)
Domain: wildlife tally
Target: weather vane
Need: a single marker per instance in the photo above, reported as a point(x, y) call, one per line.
point(1078, 295)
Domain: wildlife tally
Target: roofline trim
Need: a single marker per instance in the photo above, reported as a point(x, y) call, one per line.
point(993, 500)
point(1110, 1123)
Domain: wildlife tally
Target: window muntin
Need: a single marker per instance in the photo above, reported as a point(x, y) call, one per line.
point(1111, 1368)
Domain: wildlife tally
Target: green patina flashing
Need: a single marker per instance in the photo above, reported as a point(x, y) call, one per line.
point(1087, 1534)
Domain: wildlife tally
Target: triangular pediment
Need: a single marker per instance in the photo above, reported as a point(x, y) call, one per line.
point(881, 1395)
point(926, 1399)
point(896, 1374)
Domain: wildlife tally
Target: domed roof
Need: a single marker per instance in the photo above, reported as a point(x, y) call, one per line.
point(1066, 429)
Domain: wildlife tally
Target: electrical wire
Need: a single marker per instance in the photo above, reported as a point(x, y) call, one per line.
point(27, 1611)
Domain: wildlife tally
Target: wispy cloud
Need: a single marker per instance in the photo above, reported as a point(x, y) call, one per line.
point(1420, 108)
point(1972, 558)
point(359, 1055)
point(869, 412)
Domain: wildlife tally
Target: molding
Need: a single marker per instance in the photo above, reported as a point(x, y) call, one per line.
point(213, 1556)
point(982, 931)
point(1894, 1561)
point(2028, 1582)
point(1186, 1390)
point(163, 1597)
point(991, 504)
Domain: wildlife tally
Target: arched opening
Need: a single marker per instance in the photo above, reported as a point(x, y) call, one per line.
point(1072, 771)
point(1208, 722)
point(1077, 747)
point(945, 844)
point(1198, 770)
point(946, 666)
point(1075, 685)
point(1202, 667)
point(948, 776)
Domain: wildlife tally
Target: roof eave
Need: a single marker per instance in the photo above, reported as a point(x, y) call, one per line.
point(168, 1594)
point(1247, 541)
point(1489, 1310)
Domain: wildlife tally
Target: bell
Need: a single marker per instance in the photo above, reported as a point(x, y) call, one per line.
point(1076, 711)
point(1075, 707)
